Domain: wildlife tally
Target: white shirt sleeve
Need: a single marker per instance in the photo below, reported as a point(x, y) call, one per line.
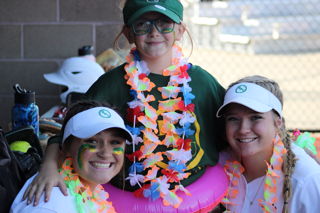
point(58, 202)
point(306, 196)
point(37, 210)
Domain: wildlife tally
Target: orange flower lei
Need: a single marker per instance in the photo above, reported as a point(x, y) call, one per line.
point(140, 111)
point(234, 169)
point(86, 201)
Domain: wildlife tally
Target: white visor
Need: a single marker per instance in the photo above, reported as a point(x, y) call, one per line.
point(92, 121)
point(252, 96)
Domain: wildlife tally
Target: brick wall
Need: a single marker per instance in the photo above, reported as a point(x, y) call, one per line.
point(36, 36)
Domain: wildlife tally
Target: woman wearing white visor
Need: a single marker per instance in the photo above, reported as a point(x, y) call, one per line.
point(94, 139)
point(267, 173)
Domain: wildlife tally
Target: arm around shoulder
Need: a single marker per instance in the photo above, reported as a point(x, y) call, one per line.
point(47, 178)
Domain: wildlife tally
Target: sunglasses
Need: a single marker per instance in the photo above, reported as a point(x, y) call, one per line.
point(143, 26)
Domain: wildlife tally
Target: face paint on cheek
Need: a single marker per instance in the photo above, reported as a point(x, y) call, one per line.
point(118, 151)
point(174, 37)
point(82, 149)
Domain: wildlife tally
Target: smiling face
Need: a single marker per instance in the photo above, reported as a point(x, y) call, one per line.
point(251, 133)
point(154, 44)
point(99, 158)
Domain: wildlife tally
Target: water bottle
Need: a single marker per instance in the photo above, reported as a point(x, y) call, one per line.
point(25, 111)
point(86, 52)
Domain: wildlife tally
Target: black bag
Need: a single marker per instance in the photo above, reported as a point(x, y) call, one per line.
point(12, 178)
point(30, 161)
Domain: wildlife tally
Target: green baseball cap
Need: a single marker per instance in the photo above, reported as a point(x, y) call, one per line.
point(135, 8)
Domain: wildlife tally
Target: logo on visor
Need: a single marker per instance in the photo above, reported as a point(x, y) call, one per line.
point(104, 113)
point(152, 1)
point(159, 7)
point(241, 89)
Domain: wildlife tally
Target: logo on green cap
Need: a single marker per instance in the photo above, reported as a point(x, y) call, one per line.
point(104, 113)
point(160, 7)
point(241, 89)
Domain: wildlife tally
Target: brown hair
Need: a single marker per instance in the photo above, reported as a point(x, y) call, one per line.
point(289, 159)
point(124, 27)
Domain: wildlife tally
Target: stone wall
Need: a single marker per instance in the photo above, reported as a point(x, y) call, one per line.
point(36, 36)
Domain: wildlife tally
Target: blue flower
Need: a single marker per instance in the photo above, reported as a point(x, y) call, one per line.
point(152, 193)
point(177, 167)
point(187, 132)
point(139, 167)
point(136, 55)
point(133, 93)
point(135, 130)
point(188, 97)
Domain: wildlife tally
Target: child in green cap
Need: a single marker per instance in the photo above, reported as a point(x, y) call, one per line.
point(170, 107)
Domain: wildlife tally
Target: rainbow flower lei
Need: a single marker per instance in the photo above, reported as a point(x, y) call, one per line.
point(153, 185)
point(234, 169)
point(86, 201)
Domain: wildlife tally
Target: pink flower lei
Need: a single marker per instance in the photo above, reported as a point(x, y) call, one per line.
point(153, 186)
point(234, 169)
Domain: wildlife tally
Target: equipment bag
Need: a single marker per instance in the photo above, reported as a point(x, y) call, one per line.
point(30, 156)
point(11, 176)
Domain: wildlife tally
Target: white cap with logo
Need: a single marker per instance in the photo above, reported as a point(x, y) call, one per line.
point(252, 96)
point(92, 121)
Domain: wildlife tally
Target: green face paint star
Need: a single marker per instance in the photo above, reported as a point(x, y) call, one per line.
point(82, 149)
point(118, 151)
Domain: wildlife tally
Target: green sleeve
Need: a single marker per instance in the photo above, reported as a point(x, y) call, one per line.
point(55, 139)
point(104, 89)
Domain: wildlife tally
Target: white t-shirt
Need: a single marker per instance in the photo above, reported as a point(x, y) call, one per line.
point(58, 203)
point(305, 187)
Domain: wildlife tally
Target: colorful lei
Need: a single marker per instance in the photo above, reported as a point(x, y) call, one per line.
point(234, 169)
point(304, 140)
point(86, 201)
point(153, 185)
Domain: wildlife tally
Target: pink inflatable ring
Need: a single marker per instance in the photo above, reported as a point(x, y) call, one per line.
point(206, 193)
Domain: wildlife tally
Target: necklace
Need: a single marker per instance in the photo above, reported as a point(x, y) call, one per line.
point(251, 202)
point(157, 181)
point(234, 169)
point(86, 200)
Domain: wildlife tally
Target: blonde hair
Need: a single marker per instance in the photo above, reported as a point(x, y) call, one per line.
point(289, 159)
point(124, 27)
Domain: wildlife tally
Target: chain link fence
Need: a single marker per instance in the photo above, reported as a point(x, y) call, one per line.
point(278, 39)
